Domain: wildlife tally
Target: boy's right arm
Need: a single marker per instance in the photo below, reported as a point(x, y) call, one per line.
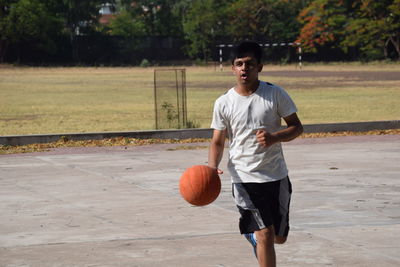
point(216, 149)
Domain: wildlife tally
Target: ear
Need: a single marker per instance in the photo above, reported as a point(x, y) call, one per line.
point(260, 67)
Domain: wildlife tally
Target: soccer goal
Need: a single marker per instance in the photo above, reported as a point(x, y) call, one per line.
point(269, 45)
point(170, 98)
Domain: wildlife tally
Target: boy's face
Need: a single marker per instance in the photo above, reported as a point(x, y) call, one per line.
point(246, 69)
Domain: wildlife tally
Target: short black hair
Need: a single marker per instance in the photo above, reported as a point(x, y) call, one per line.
point(247, 47)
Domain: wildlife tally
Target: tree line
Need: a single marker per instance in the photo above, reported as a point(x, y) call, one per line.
point(46, 30)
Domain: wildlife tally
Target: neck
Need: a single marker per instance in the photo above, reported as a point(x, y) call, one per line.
point(247, 89)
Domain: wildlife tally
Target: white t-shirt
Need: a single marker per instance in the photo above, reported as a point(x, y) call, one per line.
point(242, 116)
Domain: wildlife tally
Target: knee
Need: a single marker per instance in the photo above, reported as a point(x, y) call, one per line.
point(280, 239)
point(265, 236)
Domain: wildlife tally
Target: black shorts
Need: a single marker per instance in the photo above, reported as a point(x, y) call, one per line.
point(262, 205)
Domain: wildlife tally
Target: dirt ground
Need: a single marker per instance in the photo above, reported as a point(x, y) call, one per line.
point(330, 78)
point(346, 75)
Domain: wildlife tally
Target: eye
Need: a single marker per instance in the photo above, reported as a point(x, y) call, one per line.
point(252, 63)
point(238, 63)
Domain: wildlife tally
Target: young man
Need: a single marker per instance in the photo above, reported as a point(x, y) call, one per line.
point(249, 114)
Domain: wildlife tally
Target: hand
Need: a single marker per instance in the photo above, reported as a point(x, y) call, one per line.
point(219, 171)
point(265, 139)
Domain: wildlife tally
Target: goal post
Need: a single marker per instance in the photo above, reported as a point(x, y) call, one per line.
point(170, 98)
point(268, 45)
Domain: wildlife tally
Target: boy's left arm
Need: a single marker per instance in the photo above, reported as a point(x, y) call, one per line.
point(294, 129)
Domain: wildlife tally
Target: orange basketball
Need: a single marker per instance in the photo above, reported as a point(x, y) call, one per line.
point(200, 185)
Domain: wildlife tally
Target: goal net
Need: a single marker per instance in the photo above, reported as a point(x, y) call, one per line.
point(170, 98)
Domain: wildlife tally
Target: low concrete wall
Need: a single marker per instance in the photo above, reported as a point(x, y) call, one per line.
point(190, 133)
point(352, 126)
point(161, 134)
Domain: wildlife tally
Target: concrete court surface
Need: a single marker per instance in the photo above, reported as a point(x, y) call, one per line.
point(120, 206)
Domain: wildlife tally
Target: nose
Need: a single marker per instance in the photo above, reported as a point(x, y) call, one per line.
point(245, 66)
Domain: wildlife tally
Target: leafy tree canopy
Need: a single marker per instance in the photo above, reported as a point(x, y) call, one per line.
point(368, 25)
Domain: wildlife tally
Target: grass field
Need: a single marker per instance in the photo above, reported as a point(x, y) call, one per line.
point(65, 100)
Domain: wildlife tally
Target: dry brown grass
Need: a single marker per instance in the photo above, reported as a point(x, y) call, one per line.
point(121, 141)
point(79, 100)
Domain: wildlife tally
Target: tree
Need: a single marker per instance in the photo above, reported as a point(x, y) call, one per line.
point(5, 6)
point(129, 31)
point(246, 20)
point(394, 26)
point(76, 14)
point(125, 25)
point(202, 23)
point(40, 22)
point(26, 21)
point(368, 25)
point(274, 20)
point(374, 27)
point(323, 23)
point(79, 17)
point(159, 17)
point(283, 19)
point(262, 20)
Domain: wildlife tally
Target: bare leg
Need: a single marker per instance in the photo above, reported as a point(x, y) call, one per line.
point(280, 239)
point(265, 247)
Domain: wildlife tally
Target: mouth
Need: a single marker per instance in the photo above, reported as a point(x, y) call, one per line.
point(243, 76)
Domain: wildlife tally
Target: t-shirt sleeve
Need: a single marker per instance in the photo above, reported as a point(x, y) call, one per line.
point(286, 106)
point(218, 120)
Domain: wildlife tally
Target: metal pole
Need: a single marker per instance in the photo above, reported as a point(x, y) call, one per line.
point(155, 98)
point(300, 63)
point(177, 97)
point(266, 45)
point(220, 58)
point(184, 97)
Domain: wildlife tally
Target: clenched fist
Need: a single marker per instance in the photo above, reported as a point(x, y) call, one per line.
point(266, 139)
